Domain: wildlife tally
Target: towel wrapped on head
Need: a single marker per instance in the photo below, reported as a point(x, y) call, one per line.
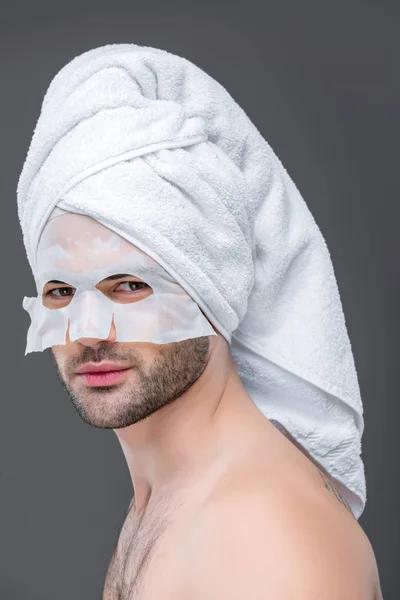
point(151, 146)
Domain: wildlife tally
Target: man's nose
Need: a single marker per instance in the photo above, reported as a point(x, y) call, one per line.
point(89, 341)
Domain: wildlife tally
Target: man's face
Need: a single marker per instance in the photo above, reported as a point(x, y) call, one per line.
point(155, 375)
point(159, 374)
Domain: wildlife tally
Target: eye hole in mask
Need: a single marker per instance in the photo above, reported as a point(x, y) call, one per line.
point(120, 288)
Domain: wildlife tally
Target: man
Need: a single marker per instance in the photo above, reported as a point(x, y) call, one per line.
point(224, 505)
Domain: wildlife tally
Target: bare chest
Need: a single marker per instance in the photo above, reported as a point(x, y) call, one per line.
point(145, 563)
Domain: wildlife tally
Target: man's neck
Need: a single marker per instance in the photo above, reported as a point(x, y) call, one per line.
point(184, 440)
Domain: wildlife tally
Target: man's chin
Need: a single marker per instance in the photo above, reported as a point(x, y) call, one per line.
point(101, 420)
point(105, 407)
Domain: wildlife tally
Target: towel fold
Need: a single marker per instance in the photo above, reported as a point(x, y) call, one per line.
point(154, 148)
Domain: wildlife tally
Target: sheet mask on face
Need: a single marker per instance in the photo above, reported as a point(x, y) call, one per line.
point(80, 252)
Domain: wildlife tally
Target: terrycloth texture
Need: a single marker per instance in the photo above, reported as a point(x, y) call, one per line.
point(153, 147)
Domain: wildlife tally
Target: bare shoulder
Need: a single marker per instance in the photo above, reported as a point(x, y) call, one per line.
point(272, 544)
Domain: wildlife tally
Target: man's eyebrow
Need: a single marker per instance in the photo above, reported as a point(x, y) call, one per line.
point(118, 276)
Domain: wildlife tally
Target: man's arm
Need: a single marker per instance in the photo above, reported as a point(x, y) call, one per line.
point(256, 549)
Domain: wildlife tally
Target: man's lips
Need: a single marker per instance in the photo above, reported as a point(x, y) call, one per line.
point(103, 374)
point(101, 367)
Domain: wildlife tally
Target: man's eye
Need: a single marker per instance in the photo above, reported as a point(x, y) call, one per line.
point(59, 292)
point(133, 286)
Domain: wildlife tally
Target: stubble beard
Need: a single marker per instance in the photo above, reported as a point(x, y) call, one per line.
point(147, 388)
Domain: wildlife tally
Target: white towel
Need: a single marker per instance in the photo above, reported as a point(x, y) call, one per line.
point(153, 147)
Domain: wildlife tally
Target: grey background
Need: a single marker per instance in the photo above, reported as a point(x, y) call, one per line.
point(320, 81)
